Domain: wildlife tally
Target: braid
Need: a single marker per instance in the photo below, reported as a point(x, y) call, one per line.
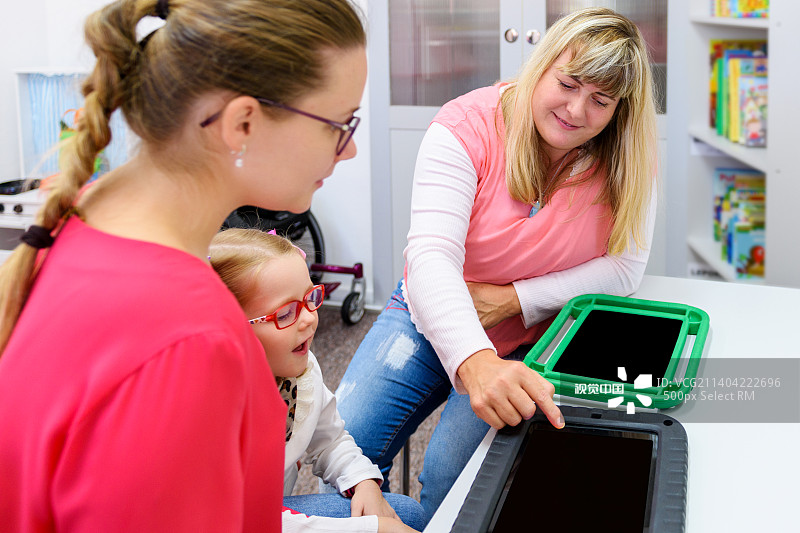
point(111, 33)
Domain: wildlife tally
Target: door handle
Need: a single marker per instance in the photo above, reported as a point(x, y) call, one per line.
point(533, 36)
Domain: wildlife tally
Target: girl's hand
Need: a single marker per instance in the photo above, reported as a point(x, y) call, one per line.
point(368, 500)
point(494, 303)
point(390, 525)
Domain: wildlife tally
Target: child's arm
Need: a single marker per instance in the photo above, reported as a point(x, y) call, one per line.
point(332, 452)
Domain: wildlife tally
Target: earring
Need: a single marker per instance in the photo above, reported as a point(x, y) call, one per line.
point(239, 162)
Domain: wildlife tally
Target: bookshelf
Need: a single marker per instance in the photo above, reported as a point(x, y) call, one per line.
point(690, 170)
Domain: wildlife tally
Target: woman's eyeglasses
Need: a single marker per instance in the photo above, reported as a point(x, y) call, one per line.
point(287, 314)
point(346, 130)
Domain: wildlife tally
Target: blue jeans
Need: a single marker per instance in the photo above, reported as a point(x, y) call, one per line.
point(337, 506)
point(394, 381)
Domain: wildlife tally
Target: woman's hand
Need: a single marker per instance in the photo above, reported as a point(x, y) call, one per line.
point(504, 392)
point(494, 303)
point(368, 500)
point(391, 525)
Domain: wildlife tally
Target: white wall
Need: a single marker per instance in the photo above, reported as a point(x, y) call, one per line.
point(23, 39)
point(48, 34)
point(344, 210)
point(64, 23)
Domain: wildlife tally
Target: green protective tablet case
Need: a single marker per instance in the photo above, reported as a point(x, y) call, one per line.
point(667, 390)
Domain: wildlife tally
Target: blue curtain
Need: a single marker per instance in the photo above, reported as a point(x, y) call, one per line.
point(51, 95)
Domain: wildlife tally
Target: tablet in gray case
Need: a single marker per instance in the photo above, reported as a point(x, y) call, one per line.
point(606, 471)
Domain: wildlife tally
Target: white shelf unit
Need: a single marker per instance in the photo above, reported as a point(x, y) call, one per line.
point(693, 171)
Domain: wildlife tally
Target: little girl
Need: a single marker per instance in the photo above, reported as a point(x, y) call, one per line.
point(269, 277)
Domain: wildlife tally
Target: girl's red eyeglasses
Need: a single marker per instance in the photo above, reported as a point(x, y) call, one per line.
point(287, 314)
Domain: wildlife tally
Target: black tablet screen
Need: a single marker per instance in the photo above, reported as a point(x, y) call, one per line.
point(607, 340)
point(579, 479)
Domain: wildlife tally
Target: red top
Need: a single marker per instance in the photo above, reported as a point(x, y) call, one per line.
point(135, 397)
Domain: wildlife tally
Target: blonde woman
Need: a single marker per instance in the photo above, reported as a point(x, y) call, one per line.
point(135, 396)
point(526, 194)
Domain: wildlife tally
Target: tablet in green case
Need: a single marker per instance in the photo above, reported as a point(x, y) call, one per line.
point(611, 344)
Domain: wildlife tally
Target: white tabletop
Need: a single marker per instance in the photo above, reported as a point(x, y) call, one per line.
point(743, 477)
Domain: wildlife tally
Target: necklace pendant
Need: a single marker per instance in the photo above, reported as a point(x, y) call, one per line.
point(534, 209)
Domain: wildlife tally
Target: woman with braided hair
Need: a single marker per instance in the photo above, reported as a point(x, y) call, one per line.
point(134, 395)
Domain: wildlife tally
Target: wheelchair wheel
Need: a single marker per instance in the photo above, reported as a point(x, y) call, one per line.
point(353, 308)
point(302, 229)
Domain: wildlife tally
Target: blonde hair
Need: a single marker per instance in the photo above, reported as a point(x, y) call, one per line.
point(238, 256)
point(265, 48)
point(607, 51)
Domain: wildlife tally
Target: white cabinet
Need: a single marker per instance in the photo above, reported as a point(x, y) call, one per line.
point(691, 169)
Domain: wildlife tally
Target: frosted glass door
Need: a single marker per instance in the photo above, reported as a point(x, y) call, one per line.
point(440, 49)
point(651, 19)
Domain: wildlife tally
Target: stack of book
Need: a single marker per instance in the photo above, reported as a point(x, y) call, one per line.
point(739, 90)
point(740, 8)
point(739, 198)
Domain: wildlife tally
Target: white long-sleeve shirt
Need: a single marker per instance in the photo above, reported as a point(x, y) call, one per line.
point(319, 439)
point(445, 185)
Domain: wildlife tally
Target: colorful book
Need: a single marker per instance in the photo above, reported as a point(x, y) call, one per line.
point(743, 206)
point(740, 8)
point(718, 111)
point(753, 108)
point(737, 67)
point(724, 182)
point(748, 250)
point(753, 8)
point(723, 113)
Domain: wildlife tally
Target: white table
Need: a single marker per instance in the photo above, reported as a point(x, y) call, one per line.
point(743, 477)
